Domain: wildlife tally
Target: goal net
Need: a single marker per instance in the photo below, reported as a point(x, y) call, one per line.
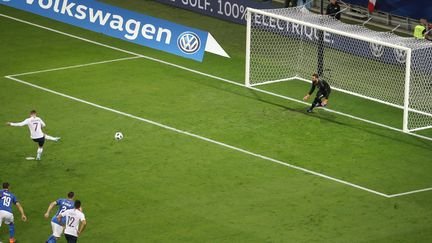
point(293, 43)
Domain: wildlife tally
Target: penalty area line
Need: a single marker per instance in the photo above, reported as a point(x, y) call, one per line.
point(201, 138)
point(410, 192)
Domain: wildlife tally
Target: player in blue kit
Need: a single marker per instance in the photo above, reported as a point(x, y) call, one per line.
point(63, 205)
point(6, 216)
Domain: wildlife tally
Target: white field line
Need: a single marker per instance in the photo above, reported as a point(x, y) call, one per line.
point(231, 82)
point(76, 66)
point(410, 192)
point(199, 137)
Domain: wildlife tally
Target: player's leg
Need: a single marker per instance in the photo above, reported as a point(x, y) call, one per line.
point(57, 231)
point(41, 142)
point(55, 139)
point(12, 233)
point(71, 238)
point(9, 220)
point(51, 239)
point(39, 153)
point(316, 102)
point(1, 219)
point(325, 100)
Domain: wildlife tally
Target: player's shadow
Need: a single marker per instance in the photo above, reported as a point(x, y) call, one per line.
point(322, 115)
point(327, 118)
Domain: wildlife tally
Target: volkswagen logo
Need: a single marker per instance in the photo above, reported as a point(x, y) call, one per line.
point(377, 50)
point(400, 55)
point(189, 42)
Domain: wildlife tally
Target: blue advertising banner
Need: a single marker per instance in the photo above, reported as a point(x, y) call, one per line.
point(123, 24)
point(231, 10)
point(406, 8)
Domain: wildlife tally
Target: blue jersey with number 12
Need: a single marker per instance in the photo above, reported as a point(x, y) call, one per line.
point(63, 205)
point(6, 200)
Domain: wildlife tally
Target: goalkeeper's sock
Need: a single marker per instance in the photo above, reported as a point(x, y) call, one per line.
point(314, 104)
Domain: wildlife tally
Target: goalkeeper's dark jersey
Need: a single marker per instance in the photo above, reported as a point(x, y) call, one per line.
point(323, 88)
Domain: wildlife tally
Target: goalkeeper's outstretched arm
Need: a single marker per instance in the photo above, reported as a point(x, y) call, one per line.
point(312, 89)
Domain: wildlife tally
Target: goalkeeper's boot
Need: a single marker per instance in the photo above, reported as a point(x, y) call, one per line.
point(309, 110)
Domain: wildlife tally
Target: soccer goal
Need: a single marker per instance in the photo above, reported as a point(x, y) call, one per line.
point(292, 43)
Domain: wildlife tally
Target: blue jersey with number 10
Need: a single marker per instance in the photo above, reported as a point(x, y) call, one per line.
point(6, 200)
point(63, 205)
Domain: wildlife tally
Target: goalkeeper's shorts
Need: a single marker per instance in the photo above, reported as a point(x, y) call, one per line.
point(321, 95)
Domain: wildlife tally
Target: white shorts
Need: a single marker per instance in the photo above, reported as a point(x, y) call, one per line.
point(6, 217)
point(57, 229)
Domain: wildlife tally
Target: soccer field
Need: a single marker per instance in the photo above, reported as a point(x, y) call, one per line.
point(204, 159)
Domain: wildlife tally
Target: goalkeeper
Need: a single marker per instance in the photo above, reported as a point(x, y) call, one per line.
point(322, 95)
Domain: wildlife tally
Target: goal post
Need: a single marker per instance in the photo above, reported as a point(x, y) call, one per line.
point(407, 91)
point(285, 44)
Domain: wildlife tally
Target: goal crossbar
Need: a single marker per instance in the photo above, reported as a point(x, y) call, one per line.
point(326, 29)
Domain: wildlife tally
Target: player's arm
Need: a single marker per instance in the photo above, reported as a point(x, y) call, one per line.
point(50, 207)
point(42, 123)
point(20, 208)
point(17, 124)
point(312, 89)
point(60, 216)
point(82, 226)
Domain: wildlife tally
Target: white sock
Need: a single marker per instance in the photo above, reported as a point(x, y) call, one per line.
point(39, 153)
point(48, 137)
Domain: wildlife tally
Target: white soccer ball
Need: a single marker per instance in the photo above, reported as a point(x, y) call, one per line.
point(118, 136)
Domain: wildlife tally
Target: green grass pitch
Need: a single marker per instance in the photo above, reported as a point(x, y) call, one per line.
point(158, 185)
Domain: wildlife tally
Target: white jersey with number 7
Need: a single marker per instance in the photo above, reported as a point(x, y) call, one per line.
point(35, 125)
point(73, 219)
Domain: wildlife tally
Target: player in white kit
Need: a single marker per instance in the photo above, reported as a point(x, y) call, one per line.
point(73, 219)
point(35, 125)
